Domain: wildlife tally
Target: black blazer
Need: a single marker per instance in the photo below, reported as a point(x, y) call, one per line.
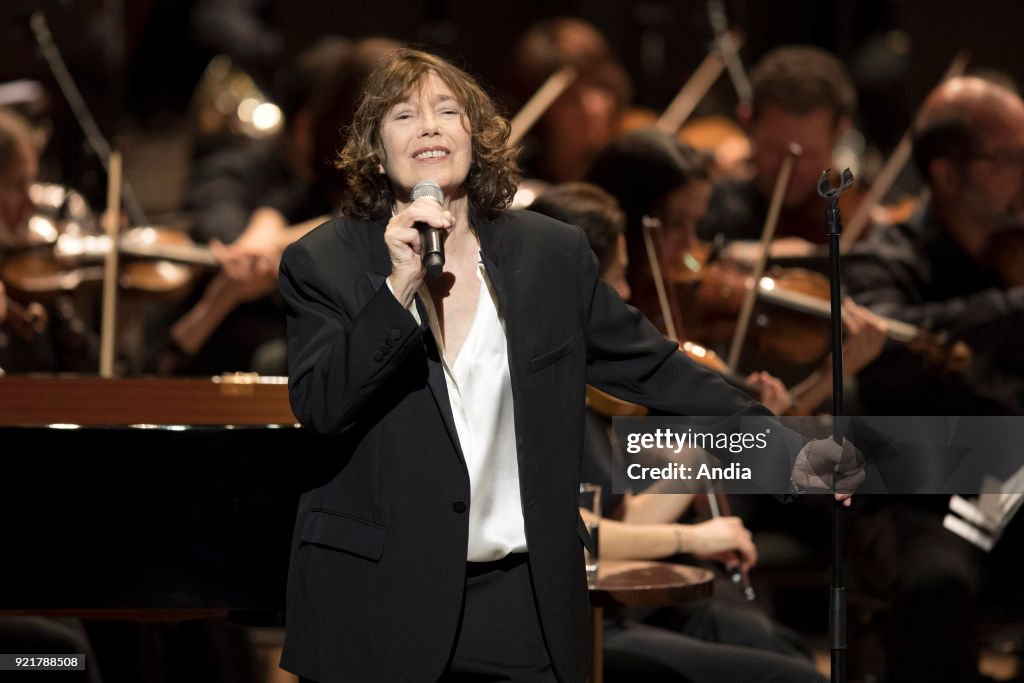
point(379, 553)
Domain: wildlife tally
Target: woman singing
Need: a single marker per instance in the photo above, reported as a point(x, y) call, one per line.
point(440, 537)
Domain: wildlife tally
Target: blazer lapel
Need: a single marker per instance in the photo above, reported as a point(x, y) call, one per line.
point(496, 246)
point(381, 262)
point(499, 251)
point(437, 383)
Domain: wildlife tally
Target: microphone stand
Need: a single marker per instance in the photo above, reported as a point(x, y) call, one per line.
point(837, 602)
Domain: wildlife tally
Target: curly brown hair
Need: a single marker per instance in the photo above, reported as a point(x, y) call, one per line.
point(493, 173)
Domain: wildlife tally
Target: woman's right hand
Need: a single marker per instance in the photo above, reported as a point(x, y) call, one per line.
point(722, 539)
point(404, 247)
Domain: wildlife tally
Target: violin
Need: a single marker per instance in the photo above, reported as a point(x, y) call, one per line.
point(62, 250)
point(791, 322)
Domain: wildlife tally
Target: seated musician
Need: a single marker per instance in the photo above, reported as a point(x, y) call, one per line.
point(585, 118)
point(941, 270)
point(251, 223)
point(643, 526)
point(228, 184)
point(655, 176)
point(247, 191)
point(801, 95)
point(48, 338)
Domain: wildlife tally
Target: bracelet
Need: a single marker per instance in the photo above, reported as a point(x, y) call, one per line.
point(677, 529)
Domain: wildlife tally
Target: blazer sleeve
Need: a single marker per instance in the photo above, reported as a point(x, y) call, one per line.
point(630, 359)
point(341, 349)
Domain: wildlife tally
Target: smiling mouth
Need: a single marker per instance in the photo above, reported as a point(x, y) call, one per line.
point(431, 154)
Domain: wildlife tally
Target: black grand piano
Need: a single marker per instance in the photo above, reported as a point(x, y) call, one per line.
point(147, 498)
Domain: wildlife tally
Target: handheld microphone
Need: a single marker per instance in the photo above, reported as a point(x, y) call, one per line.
point(433, 245)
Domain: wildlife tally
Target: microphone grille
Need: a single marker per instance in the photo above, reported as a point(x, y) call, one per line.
point(428, 188)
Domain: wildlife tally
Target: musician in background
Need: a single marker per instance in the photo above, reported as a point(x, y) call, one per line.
point(227, 186)
point(585, 117)
point(801, 95)
point(657, 177)
point(257, 198)
point(62, 342)
point(643, 525)
point(941, 269)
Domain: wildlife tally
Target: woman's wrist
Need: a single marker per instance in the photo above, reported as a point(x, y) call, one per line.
point(677, 531)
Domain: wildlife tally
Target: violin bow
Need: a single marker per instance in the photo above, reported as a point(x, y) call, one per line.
point(697, 86)
point(76, 103)
point(728, 47)
point(649, 225)
point(771, 221)
point(897, 160)
point(718, 503)
point(723, 56)
point(528, 115)
point(111, 223)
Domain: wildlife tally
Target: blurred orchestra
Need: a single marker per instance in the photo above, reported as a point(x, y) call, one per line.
point(685, 138)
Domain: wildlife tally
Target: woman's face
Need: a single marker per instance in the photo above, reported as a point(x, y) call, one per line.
point(426, 137)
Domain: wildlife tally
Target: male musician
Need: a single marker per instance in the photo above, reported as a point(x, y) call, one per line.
point(938, 271)
point(801, 95)
point(585, 117)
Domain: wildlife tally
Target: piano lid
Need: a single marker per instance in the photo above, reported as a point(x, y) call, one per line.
point(58, 400)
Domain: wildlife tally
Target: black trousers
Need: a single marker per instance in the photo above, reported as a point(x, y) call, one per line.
point(499, 636)
point(638, 652)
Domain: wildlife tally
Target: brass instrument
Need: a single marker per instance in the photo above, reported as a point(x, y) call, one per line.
point(227, 101)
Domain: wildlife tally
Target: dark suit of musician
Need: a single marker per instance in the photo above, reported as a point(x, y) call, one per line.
point(378, 563)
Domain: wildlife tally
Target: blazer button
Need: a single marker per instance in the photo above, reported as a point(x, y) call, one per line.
point(459, 506)
point(396, 334)
point(377, 356)
point(383, 349)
